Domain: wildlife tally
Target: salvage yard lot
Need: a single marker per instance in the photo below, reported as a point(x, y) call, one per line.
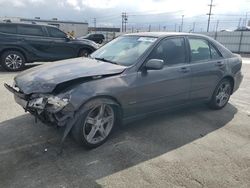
point(193, 147)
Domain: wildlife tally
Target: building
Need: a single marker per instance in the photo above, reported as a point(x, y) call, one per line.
point(73, 28)
point(104, 29)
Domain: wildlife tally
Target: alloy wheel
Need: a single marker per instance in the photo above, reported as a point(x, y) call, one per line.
point(223, 94)
point(98, 123)
point(13, 61)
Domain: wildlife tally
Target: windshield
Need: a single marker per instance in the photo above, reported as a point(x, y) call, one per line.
point(124, 50)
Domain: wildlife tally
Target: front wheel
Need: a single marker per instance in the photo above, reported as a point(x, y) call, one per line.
point(12, 61)
point(84, 53)
point(95, 125)
point(221, 95)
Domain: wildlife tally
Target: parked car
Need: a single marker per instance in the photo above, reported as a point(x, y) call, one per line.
point(26, 43)
point(244, 28)
point(128, 78)
point(98, 38)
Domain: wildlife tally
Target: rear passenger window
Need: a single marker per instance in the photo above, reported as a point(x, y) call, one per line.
point(11, 29)
point(171, 51)
point(199, 50)
point(214, 53)
point(30, 30)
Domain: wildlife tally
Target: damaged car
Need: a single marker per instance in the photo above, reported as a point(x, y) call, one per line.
point(129, 78)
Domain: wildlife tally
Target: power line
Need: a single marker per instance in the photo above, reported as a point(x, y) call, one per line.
point(209, 14)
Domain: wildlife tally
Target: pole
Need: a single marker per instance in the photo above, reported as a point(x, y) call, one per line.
point(175, 26)
point(217, 25)
point(123, 14)
point(239, 23)
point(209, 14)
point(95, 24)
point(246, 24)
point(149, 28)
point(182, 16)
point(216, 29)
point(193, 27)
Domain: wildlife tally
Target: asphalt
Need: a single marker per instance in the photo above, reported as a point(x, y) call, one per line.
point(192, 147)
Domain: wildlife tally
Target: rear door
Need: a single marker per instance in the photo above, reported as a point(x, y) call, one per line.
point(60, 46)
point(168, 87)
point(207, 67)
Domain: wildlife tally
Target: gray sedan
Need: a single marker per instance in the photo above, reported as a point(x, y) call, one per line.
point(130, 77)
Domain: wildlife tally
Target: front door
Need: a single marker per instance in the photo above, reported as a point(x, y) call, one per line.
point(60, 46)
point(161, 89)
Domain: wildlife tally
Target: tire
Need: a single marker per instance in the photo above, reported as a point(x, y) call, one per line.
point(221, 95)
point(91, 120)
point(100, 41)
point(84, 53)
point(12, 60)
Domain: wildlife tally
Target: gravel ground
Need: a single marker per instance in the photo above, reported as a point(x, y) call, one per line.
point(192, 147)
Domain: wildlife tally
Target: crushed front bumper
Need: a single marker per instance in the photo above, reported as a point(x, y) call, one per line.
point(59, 118)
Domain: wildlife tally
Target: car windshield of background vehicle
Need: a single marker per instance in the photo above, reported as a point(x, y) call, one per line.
point(124, 50)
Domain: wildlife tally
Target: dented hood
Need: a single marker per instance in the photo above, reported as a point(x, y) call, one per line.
point(44, 78)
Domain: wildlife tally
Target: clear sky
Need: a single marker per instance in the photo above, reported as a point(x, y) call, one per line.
point(141, 13)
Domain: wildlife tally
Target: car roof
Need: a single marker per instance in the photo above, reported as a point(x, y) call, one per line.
point(162, 34)
point(21, 23)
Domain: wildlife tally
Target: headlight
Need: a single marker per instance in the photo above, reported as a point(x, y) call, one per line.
point(51, 103)
point(55, 104)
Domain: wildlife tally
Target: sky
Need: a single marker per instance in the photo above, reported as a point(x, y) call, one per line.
point(160, 14)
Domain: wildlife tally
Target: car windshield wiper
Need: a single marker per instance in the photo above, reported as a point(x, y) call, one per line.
point(105, 60)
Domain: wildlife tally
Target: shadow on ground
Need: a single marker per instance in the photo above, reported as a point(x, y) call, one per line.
point(24, 161)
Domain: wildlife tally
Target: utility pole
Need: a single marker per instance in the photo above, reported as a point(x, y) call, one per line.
point(217, 25)
point(209, 14)
point(95, 24)
point(193, 27)
point(182, 16)
point(239, 23)
point(149, 28)
point(123, 21)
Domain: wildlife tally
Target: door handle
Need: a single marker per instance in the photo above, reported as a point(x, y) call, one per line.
point(184, 69)
point(219, 64)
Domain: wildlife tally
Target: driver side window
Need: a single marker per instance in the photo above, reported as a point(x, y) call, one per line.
point(55, 33)
point(171, 51)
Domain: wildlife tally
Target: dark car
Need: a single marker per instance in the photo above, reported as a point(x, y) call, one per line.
point(98, 38)
point(25, 43)
point(130, 77)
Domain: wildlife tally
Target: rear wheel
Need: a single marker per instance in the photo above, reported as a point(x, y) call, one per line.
point(95, 125)
point(12, 61)
point(100, 41)
point(221, 95)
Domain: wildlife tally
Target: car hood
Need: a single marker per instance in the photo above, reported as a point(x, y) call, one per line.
point(44, 78)
point(86, 41)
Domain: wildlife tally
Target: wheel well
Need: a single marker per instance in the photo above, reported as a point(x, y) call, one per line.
point(230, 78)
point(13, 49)
point(119, 106)
point(85, 48)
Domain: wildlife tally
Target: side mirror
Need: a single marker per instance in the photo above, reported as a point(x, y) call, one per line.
point(154, 64)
